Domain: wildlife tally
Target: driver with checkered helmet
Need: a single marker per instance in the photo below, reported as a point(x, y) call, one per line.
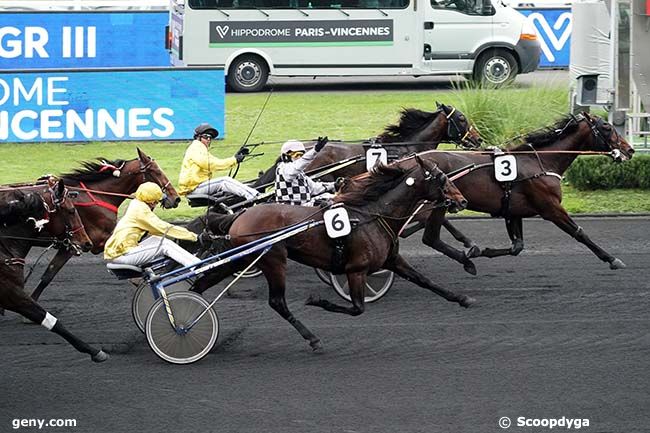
point(292, 185)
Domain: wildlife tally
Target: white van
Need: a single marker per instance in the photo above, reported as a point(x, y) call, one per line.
point(251, 39)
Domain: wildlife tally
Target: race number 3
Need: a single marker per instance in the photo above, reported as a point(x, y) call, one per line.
point(337, 222)
point(505, 168)
point(373, 155)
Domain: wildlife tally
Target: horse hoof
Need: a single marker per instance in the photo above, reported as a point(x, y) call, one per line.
point(316, 346)
point(466, 301)
point(100, 356)
point(470, 268)
point(312, 300)
point(617, 264)
point(474, 251)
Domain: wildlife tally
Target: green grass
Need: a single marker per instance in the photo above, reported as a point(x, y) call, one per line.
point(498, 114)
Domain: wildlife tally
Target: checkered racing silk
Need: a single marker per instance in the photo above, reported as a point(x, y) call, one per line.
point(296, 192)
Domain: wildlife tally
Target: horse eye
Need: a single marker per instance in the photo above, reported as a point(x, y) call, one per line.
point(461, 117)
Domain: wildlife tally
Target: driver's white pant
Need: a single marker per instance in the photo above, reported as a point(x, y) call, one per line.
point(153, 248)
point(226, 184)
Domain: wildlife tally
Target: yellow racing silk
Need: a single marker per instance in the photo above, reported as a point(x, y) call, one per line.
point(137, 220)
point(198, 166)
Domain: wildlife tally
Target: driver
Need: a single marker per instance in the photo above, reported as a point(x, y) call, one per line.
point(125, 246)
point(198, 166)
point(292, 185)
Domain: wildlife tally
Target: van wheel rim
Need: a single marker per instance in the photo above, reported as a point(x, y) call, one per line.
point(248, 74)
point(497, 70)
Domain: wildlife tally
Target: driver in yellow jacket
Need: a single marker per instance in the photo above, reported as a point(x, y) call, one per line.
point(198, 166)
point(125, 245)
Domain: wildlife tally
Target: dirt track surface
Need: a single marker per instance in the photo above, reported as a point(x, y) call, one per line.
point(555, 333)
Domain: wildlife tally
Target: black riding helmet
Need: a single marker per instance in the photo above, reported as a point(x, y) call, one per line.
point(205, 128)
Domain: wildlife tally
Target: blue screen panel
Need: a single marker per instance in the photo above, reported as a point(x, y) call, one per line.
point(49, 40)
point(554, 28)
point(106, 105)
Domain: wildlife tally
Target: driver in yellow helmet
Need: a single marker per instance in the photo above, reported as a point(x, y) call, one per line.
point(125, 246)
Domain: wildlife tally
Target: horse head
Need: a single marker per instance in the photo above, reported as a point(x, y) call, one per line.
point(608, 139)
point(459, 129)
point(62, 219)
point(151, 172)
point(439, 188)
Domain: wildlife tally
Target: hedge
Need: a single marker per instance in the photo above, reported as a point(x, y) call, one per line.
point(600, 172)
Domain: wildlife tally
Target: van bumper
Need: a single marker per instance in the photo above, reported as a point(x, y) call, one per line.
point(529, 53)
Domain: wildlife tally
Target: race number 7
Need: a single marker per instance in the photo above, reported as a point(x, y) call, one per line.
point(505, 168)
point(337, 222)
point(373, 155)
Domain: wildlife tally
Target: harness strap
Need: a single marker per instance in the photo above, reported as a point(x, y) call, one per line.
point(391, 234)
point(94, 201)
point(14, 261)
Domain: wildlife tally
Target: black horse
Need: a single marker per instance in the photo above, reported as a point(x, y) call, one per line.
point(26, 215)
point(381, 202)
point(415, 132)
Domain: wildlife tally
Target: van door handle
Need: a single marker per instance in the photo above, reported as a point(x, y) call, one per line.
point(428, 25)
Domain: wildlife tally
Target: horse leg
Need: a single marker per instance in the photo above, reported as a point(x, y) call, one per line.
point(431, 238)
point(357, 283)
point(274, 269)
point(473, 249)
point(516, 234)
point(401, 267)
point(33, 311)
point(58, 261)
point(561, 218)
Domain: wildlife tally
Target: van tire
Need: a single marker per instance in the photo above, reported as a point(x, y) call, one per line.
point(247, 73)
point(495, 67)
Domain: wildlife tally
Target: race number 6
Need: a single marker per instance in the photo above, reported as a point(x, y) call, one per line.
point(337, 222)
point(505, 168)
point(373, 154)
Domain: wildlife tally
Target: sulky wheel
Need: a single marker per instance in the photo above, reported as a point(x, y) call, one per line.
point(180, 346)
point(377, 285)
point(143, 300)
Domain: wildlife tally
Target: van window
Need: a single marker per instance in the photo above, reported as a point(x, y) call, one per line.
point(467, 7)
point(301, 4)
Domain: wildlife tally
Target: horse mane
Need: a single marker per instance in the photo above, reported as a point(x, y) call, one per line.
point(93, 171)
point(549, 134)
point(20, 207)
point(411, 120)
point(365, 189)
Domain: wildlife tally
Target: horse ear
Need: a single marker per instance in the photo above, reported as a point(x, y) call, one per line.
point(60, 189)
point(438, 104)
point(143, 156)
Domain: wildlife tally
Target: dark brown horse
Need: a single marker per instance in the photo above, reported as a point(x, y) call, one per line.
point(103, 185)
point(381, 202)
point(35, 212)
point(416, 131)
point(541, 162)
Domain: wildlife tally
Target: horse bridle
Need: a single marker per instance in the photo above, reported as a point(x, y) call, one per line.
point(440, 178)
point(456, 136)
point(69, 231)
point(144, 170)
point(594, 126)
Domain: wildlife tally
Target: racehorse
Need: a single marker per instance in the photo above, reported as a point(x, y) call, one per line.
point(541, 161)
point(34, 211)
point(381, 201)
point(416, 131)
point(103, 185)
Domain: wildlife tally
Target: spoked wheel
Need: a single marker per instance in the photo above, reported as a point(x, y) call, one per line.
point(377, 285)
point(177, 345)
point(324, 276)
point(251, 273)
point(143, 300)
